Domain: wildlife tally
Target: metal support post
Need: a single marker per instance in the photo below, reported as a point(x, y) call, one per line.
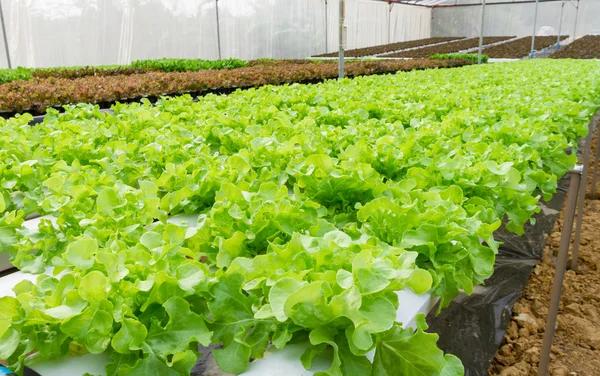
point(581, 198)
point(534, 28)
point(481, 32)
point(390, 6)
point(561, 266)
point(341, 63)
point(326, 28)
point(595, 176)
point(575, 25)
point(218, 28)
point(562, 8)
point(5, 37)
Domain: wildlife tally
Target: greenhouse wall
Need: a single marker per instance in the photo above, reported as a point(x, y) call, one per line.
point(372, 23)
point(44, 33)
point(515, 19)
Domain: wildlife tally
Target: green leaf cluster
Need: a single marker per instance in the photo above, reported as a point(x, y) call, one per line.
point(473, 57)
point(188, 65)
point(19, 73)
point(305, 207)
point(137, 66)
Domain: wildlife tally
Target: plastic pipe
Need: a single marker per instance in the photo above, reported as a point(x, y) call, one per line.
point(581, 197)
point(595, 176)
point(481, 32)
point(561, 266)
point(534, 28)
point(562, 9)
point(5, 37)
point(341, 63)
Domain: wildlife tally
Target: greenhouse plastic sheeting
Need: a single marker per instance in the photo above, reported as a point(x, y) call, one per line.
point(46, 33)
point(409, 22)
point(515, 19)
point(95, 32)
point(373, 22)
point(272, 28)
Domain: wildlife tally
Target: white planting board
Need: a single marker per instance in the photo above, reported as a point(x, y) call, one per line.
point(275, 363)
point(4, 264)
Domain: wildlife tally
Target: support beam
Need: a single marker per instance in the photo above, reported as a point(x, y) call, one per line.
point(218, 28)
point(562, 9)
point(5, 37)
point(326, 28)
point(575, 24)
point(342, 39)
point(535, 13)
point(481, 32)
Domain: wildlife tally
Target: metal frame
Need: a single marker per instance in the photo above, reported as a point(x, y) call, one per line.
point(455, 3)
point(5, 37)
point(575, 23)
point(562, 9)
point(218, 28)
point(535, 13)
point(342, 39)
point(326, 27)
point(481, 32)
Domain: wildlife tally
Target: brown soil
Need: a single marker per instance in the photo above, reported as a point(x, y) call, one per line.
point(447, 48)
point(37, 94)
point(576, 346)
point(520, 47)
point(587, 47)
point(368, 51)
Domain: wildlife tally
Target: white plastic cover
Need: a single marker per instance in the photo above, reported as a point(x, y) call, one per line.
point(515, 19)
point(409, 22)
point(375, 22)
point(272, 28)
point(46, 33)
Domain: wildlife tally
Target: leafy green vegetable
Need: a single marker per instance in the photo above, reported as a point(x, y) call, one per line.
point(306, 208)
point(473, 57)
point(187, 65)
point(19, 73)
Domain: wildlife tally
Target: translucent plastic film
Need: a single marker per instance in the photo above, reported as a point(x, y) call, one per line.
point(516, 19)
point(374, 22)
point(46, 33)
point(272, 28)
point(409, 22)
point(96, 32)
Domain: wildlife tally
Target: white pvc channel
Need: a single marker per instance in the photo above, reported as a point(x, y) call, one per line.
point(275, 363)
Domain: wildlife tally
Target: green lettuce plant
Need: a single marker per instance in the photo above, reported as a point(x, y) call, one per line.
point(312, 205)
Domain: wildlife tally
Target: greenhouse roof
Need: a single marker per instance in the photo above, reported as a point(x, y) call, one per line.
point(441, 3)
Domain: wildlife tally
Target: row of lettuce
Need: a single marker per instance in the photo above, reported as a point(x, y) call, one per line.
point(138, 66)
point(37, 95)
point(312, 205)
point(145, 66)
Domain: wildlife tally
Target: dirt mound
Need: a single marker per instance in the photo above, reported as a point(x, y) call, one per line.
point(576, 346)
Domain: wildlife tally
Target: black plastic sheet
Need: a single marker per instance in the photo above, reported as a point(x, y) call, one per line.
point(473, 327)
